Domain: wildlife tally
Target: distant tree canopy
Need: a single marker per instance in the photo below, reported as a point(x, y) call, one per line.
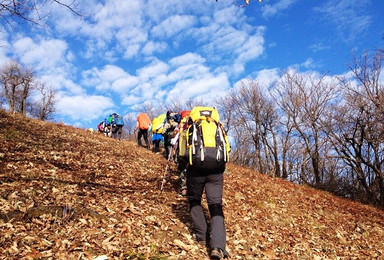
point(23, 93)
point(16, 82)
point(30, 11)
point(319, 130)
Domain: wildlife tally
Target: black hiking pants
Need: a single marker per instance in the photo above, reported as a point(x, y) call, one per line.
point(116, 132)
point(156, 146)
point(213, 185)
point(167, 143)
point(143, 133)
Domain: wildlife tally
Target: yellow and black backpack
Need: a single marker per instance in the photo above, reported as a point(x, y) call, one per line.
point(207, 143)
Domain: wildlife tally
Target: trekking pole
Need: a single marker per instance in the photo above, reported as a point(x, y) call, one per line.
point(164, 180)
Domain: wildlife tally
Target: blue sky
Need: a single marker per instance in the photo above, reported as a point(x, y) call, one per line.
point(121, 53)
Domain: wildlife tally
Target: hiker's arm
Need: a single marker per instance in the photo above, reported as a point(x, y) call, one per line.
point(165, 128)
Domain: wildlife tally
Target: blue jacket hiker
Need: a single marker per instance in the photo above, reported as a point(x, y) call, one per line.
point(157, 128)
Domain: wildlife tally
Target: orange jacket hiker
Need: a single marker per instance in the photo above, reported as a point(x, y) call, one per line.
point(143, 121)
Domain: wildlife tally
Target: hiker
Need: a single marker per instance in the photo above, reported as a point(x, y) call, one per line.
point(157, 128)
point(117, 124)
point(100, 127)
point(206, 165)
point(170, 125)
point(107, 127)
point(143, 124)
point(111, 123)
point(182, 162)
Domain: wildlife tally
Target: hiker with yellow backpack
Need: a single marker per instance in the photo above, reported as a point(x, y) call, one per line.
point(206, 150)
point(157, 129)
point(182, 162)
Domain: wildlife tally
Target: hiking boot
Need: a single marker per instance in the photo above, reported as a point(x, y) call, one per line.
point(200, 241)
point(217, 253)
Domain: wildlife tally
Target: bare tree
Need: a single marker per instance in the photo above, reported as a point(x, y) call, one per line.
point(178, 105)
point(30, 11)
point(150, 109)
point(44, 107)
point(252, 121)
point(129, 127)
point(305, 98)
point(26, 86)
point(16, 84)
point(356, 126)
point(226, 108)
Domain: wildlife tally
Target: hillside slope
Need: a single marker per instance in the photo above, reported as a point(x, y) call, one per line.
point(76, 195)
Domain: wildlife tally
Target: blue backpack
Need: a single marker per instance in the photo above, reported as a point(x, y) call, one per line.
point(119, 120)
point(177, 118)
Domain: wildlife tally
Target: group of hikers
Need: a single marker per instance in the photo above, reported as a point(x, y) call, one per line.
point(112, 126)
point(196, 141)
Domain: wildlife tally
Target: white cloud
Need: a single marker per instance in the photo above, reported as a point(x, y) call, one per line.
point(120, 23)
point(319, 46)
point(229, 40)
point(113, 15)
point(309, 64)
point(349, 17)
point(252, 48)
point(4, 47)
point(60, 81)
point(43, 54)
point(187, 58)
point(206, 32)
point(204, 86)
point(244, 49)
point(185, 77)
point(135, 51)
point(111, 73)
point(152, 47)
point(268, 76)
point(84, 108)
point(131, 35)
point(188, 71)
point(173, 25)
point(131, 51)
point(225, 40)
point(131, 100)
point(265, 77)
point(123, 85)
point(269, 10)
point(110, 77)
point(152, 70)
point(230, 16)
point(158, 11)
